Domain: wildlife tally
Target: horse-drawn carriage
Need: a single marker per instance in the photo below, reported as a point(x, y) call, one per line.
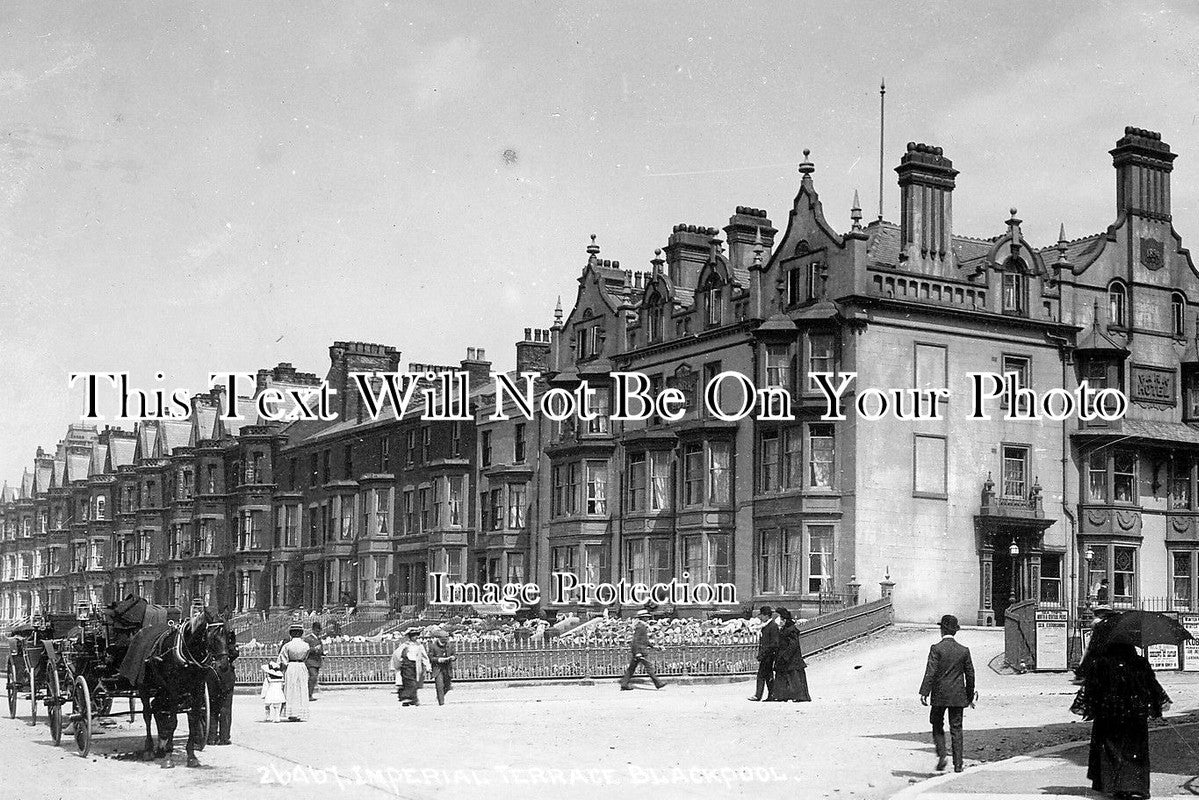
point(131, 650)
point(27, 672)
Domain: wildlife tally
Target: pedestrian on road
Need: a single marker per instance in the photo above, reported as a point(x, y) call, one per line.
point(316, 653)
point(272, 691)
point(411, 664)
point(949, 680)
point(441, 656)
point(295, 680)
point(640, 649)
point(790, 669)
point(1119, 695)
point(768, 645)
point(221, 679)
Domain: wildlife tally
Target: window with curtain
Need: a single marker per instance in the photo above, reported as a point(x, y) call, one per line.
point(1117, 300)
point(778, 365)
point(1124, 475)
point(516, 506)
point(693, 476)
point(768, 467)
point(820, 456)
point(720, 558)
point(1124, 573)
point(637, 480)
point(820, 355)
point(1014, 472)
point(820, 558)
point(659, 485)
point(1097, 477)
point(719, 478)
point(1180, 483)
point(693, 557)
point(599, 405)
point(597, 487)
point(457, 488)
point(595, 563)
point(1182, 579)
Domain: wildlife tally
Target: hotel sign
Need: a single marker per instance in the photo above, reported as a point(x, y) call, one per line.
point(1153, 385)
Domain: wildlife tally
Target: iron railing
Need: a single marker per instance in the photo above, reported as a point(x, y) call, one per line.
point(368, 662)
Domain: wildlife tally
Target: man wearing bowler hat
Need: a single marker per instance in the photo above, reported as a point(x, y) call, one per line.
point(949, 681)
point(768, 648)
point(640, 648)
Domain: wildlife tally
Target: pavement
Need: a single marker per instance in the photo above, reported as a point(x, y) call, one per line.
point(865, 735)
point(1052, 773)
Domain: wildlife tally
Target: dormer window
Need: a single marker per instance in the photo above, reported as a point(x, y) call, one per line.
point(1178, 305)
point(1015, 289)
point(712, 306)
point(1117, 301)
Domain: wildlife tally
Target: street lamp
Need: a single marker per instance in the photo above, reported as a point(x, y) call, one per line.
point(1014, 552)
point(1089, 556)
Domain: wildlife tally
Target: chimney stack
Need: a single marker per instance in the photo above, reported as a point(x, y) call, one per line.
point(687, 251)
point(1143, 164)
point(346, 358)
point(926, 181)
point(477, 366)
point(743, 232)
point(533, 354)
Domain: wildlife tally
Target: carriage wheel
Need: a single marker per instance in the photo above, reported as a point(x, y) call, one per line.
point(204, 720)
point(54, 706)
point(83, 717)
point(10, 684)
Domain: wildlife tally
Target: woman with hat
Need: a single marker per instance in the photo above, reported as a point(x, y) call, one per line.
point(411, 664)
point(272, 691)
point(295, 686)
point(790, 669)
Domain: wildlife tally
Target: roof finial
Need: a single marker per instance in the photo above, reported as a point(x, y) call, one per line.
point(806, 168)
point(657, 261)
point(758, 248)
point(558, 314)
point(592, 251)
point(855, 213)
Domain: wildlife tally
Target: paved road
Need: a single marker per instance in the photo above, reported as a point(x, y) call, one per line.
point(863, 736)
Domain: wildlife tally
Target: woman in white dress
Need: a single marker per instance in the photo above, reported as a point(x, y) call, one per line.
point(295, 679)
point(411, 663)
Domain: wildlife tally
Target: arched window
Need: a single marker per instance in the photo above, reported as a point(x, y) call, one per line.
point(100, 502)
point(1178, 305)
point(712, 304)
point(1117, 301)
point(653, 321)
point(1015, 287)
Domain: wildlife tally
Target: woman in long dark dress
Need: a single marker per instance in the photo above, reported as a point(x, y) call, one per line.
point(1119, 695)
point(790, 669)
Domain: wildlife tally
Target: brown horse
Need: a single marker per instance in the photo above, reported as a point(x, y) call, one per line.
point(174, 680)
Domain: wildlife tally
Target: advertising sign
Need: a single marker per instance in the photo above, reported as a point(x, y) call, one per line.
point(1051, 640)
point(1190, 648)
point(1162, 656)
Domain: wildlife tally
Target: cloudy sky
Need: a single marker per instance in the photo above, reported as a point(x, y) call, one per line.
point(193, 189)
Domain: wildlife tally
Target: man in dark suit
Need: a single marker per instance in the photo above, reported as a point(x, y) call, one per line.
point(640, 654)
point(316, 653)
point(949, 680)
point(768, 646)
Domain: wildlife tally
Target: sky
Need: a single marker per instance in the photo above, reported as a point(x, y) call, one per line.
point(190, 188)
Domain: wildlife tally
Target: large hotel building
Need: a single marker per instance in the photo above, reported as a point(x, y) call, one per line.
point(960, 515)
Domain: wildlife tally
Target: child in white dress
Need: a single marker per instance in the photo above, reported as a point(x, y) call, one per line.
point(272, 691)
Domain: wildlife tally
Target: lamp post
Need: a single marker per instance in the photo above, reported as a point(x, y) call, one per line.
point(1089, 556)
point(1014, 552)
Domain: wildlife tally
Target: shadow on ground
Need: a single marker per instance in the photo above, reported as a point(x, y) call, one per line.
point(995, 744)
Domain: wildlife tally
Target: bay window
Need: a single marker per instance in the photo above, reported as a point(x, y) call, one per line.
point(719, 484)
point(647, 560)
point(597, 487)
point(516, 506)
point(637, 477)
point(768, 470)
point(793, 560)
point(693, 476)
point(820, 355)
point(778, 365)
point(595, 563)
point(659, 480)
point(457, 485)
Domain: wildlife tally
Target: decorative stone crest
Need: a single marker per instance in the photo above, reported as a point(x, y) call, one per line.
point(1152, 254)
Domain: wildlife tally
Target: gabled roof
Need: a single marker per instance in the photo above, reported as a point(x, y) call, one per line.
point(1080, 253)
point(26, 485)
point(7, 493)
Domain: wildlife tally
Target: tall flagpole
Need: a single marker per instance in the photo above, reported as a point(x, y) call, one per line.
point(882, 124)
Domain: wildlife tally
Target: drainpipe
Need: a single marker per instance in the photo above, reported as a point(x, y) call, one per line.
point(1072, 540)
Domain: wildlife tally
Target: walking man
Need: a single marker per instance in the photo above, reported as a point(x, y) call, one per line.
point(640, 654)
point(768, 647)
point(316, 653)
point(949, 680)
point(441, 656)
